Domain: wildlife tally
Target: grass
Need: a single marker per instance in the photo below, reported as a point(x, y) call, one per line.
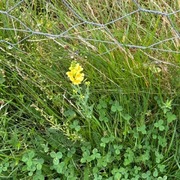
point(127, 124)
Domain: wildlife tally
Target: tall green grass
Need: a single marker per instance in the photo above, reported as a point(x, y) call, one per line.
point(130, 90)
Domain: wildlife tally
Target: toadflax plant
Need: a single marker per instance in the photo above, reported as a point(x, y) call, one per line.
point(81, 95)
point(75, 74)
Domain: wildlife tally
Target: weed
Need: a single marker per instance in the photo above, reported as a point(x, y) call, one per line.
point(117, 117)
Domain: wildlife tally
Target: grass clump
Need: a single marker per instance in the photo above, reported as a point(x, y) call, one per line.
point(117, 116)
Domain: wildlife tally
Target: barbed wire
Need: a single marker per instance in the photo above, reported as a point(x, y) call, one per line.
point(82, 21)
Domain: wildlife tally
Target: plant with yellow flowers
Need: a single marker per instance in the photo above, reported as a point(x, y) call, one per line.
point(75, 74)
point(81, 94)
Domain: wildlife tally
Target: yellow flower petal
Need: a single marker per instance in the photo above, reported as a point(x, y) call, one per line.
point(78, 68)
point(75, 75)
point(79, 76)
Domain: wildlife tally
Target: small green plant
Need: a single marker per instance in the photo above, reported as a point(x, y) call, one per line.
point(33, 165)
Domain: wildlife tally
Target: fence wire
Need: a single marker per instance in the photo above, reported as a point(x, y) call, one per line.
point(26, 29)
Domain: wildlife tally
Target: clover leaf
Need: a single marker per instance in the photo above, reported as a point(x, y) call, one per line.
point(56, 157)
point(75, 125)
point(170, 117)
point(102, 104)
point(95, 154)
point(116, 107)
point(160, 125)
point(142, 129)
point(159, 157)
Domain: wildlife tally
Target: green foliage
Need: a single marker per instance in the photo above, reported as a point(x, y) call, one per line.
point(33, 165)
point(121, 123)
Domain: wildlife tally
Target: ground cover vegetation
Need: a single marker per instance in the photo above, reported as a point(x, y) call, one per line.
point(81, 106)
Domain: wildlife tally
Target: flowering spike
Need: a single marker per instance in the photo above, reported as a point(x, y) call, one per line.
point(75, 74)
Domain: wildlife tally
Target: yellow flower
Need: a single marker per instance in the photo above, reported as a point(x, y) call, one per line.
point(75, 67)
point(75, 75)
